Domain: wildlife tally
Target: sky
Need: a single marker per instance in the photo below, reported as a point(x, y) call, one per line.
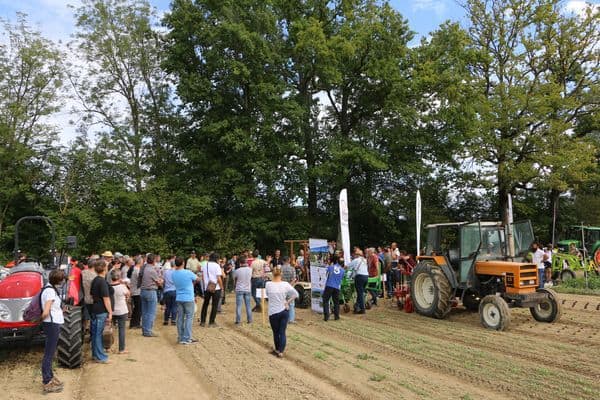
point(54, 18)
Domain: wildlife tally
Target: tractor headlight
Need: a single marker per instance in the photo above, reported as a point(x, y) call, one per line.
point(4, 313)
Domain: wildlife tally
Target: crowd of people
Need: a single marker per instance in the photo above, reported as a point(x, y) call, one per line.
point(118, 289)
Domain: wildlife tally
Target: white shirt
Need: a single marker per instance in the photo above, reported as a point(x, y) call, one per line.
point(549, 254)
point(211, 273)
point(359, 264)
point(121, 293)
point(538, 258)
point(278, 293)
point(56, 313)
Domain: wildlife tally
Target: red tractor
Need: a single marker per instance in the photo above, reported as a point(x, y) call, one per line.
point(24, 282)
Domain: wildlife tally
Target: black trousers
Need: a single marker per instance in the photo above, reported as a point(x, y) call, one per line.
point(136, 312)
point(213, 311)
point(328, 294)
point(52, 332)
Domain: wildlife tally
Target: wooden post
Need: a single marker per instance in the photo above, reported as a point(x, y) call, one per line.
point(262, 305)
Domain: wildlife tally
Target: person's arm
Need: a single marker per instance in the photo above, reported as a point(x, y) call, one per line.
point(47, 306)
point(292, 295)
point(108, 306)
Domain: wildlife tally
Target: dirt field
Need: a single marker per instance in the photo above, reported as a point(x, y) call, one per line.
point(385, 354)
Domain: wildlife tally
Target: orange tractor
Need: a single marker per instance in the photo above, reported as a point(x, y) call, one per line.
point(474, 262)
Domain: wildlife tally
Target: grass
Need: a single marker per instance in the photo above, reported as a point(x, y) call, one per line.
point(319, 355)
point(580, 286)
point(572, 290)
point(365, 356)
point(377, 377)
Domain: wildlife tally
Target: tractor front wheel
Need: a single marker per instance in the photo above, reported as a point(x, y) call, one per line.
point(549, 309)
point(494, 313)
point(70, 340)
point(567, 274)
point(430, 291)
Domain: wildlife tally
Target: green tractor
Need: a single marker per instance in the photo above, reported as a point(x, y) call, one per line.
point(579, 251)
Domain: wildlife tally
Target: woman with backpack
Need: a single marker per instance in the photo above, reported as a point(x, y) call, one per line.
point(52, 317)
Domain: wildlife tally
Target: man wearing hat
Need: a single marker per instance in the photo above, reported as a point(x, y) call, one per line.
point(108, 256)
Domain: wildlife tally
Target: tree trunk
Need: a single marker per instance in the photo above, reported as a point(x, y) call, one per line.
point(553, 199)
point(503, 192)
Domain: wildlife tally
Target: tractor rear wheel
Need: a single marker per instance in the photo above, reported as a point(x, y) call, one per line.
point(430, 291)
point(70, 340)
point(494, 313)
point(567, 274)
point(549, 309)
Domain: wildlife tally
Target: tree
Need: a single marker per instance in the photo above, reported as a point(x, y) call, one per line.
point(123, 88)
point(31, 73)
point(539, 77)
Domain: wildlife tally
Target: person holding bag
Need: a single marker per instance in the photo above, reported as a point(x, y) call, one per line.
point(213, 283)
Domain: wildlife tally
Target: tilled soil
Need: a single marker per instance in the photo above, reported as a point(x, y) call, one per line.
point(385, 354)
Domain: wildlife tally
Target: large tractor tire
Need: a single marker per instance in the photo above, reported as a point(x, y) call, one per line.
point(566, 274)
point(548, 310)
point(70, 339)
point(597, 258)
point(303, 300)
point(430, 291)
point(494, 313)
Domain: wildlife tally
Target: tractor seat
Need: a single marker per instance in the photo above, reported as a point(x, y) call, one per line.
point(454, 257)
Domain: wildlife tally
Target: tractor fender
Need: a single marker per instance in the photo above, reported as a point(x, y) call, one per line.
point(443, 263)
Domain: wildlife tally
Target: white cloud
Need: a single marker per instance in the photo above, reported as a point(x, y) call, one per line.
point(439, 7)
point(579, 6)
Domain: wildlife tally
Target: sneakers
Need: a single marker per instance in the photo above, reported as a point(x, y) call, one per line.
point(56, 381)
point(52, 387)
point(188, 342)
point(152, 334)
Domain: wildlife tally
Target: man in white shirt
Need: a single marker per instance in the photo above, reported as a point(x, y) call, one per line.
point(211, 275)
point(538, 259)
point(361, 278)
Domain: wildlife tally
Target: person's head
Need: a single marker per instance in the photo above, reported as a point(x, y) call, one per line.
point(358, 252)
point(178, 262)
point(394, 245)
point(535, 246)
point(80, 265)
point(108, 256)
point(56, 277)
point(277, 253)
point(139, 261)
point(301, 252)
point(115, 275)
point(277, 273)
point(334, 258)
point(243, 260)
point(285, 260)
point(150, 258)
point(214, 257)
point(255, 253)
point(193, 254)
point(100, 266)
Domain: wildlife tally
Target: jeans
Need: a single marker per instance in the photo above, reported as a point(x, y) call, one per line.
point(292, 311)
point(245, 297)
point(541, 278)
point(213, 311)
point(331, 293)
point(256, 283)
point(149, 302)
point(136, 311)
point(388, 284)
point(170, 306)
point(360, 282)
point(52, 331)
point(279, 323)
point(119, 321)
point(96, 328)
point(185, 317)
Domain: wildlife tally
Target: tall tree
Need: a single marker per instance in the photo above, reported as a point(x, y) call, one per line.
point(538, 78)
point(31, 74)
point(123, 88)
